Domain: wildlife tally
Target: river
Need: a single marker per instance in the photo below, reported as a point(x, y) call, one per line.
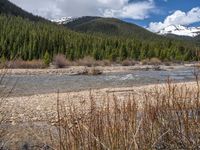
point(23, 85)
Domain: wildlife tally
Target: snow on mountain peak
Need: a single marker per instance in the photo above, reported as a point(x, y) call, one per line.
point(64, 20)
point(180, 30)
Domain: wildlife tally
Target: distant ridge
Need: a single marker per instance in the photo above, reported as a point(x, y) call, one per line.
point(180, 30)
point(107, 26)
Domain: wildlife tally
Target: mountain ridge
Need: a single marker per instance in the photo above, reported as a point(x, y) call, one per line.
point(64, 20)
point(93, 25)
point(107, 26)
point(101, 38)
point(180, 30)
point(8, 8)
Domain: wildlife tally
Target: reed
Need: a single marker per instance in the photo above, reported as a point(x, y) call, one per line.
point(167, 118)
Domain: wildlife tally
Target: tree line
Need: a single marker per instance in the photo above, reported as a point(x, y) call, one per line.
point(27, 40)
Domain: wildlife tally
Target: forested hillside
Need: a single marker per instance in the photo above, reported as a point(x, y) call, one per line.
point(110, 27)
point(21, 38)
point(24, 36)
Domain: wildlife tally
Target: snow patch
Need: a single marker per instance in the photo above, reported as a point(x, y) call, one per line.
point(180, 30)
point(65, 20)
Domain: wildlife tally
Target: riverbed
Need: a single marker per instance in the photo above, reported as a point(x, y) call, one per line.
point(24, 84)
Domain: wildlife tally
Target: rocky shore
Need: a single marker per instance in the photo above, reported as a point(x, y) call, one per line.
point(38, 107)
point(76, 70)
point(30, 120)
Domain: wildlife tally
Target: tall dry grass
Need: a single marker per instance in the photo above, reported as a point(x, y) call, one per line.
point(21, 64)
point(4, 114)
point(164, 118)
point(152, 61)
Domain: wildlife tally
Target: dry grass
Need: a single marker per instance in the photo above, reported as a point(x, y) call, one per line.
point(167, 118)
point(152, 61)
point(128, 62)
point(163, 117)
point(4, 115)
point(19, 64)
point(91, 62)
point(86, 61)
point(60, 61)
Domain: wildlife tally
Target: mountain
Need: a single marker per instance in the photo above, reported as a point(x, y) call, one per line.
point(8, 8)
point(27, 37)
point(108, 27)
point(64, 20)
point(180, 31)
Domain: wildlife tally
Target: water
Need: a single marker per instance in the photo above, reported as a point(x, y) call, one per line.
point(38, 84)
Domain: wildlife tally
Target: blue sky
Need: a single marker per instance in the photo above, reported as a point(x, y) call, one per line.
point(165, 8)
point(151, 14)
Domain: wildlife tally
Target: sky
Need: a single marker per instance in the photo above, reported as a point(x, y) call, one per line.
point(151, 14)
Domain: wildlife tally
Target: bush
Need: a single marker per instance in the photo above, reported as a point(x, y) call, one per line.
point(60, 61)
point(155, 61)
point(91, 62)
point(152, 61)
point(128, 62)
point(103, 63)
point(106, 62)
point(21, 64)
point(87, 61)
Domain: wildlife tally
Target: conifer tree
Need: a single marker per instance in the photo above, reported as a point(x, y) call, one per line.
point(47, 59)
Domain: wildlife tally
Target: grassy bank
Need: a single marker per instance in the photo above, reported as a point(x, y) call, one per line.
point(166, 118)
point(152, 117)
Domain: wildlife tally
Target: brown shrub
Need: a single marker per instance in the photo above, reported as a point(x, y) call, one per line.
point(103, 63)
point(21, 64)
point(155, 61)
point(145, 61)
point(152, 61)
point(128, 62)
point(87, 61)
point(60, 61)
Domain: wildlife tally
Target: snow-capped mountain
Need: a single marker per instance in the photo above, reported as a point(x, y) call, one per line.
point(181, 30)
point(64, 20)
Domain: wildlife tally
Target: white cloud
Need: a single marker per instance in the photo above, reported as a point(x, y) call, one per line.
point(177, 18)
point(109, 8)
point(138, 10)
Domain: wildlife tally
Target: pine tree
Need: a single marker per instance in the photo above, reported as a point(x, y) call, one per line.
point(47, 59)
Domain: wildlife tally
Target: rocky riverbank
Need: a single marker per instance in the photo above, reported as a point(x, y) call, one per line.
point(38, 107)
point(76, 70)
point(29, 121)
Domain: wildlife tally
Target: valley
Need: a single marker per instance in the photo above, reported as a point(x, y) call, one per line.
point(97, 82)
